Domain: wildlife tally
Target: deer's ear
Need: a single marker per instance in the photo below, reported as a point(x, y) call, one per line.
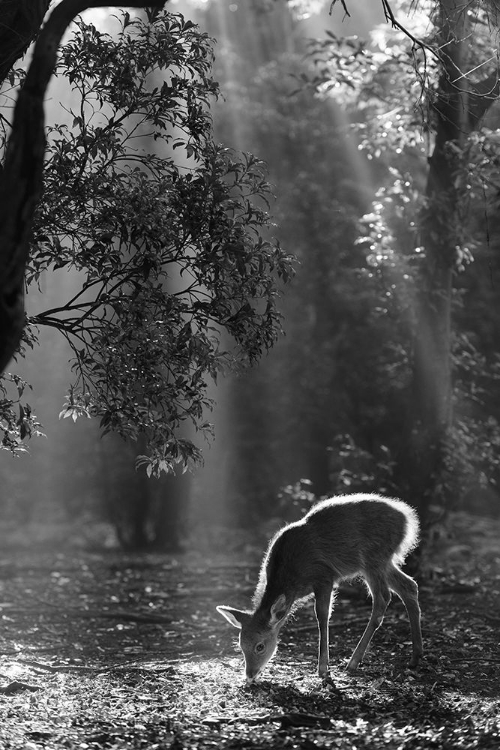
point(278, 610)
point(236, 617)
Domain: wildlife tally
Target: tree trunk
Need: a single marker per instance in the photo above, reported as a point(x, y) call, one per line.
point(430, 410)
point(457, 112)
point(171, 496)
point(20, 22)
point(21, 177)
point(146, 513)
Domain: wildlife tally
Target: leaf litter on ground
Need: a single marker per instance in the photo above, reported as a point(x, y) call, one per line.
point(126, 651)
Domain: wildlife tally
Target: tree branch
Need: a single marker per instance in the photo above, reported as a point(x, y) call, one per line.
point(20, 22)
point(21, 179)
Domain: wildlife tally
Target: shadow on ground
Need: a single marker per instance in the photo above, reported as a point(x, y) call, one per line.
point(114, 650)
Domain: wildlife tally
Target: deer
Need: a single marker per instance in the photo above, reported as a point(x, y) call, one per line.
point(344, 537)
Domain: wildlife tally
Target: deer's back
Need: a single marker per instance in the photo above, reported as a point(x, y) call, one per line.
point(342, 537)
point(366, 527)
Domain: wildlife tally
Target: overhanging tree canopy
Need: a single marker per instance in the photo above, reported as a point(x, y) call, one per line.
point(165, 226)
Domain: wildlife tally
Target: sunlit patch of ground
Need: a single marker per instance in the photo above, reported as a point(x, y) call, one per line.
point(100, 650)
point(205, 703)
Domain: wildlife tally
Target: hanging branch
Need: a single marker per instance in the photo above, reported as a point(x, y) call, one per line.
point(20, 21)
point(482, 94)
point(391, 18)
point(21, 177)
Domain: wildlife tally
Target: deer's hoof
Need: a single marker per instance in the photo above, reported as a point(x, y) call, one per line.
point(414, 661)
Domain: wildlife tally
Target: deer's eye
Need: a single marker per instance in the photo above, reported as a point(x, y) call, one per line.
point(259, 648)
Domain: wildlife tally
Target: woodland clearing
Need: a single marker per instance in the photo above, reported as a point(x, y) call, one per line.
point(104, 649)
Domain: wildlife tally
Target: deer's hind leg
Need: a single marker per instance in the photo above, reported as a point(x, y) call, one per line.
point(323, 597)
point(407, 590)
point(381, 596)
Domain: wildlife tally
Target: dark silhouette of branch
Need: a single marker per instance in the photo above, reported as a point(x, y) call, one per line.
point(21, 178)
point(20, 22)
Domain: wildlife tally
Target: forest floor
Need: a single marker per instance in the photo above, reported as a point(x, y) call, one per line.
point(104, 650)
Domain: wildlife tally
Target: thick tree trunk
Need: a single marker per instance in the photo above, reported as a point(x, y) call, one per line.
point(431, 410)
point(20, 22)
point(146, 513)
point(458, 109)
point(21, 177)
point(171, 496)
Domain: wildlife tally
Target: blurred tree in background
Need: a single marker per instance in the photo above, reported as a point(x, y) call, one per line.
point(306, 395)
point(422, 233)
point(387, 195)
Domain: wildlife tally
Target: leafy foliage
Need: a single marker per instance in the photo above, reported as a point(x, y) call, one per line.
point(295, 500)
point(473, 446)
point(391, 91)
point(17, 420)
point(164, 228)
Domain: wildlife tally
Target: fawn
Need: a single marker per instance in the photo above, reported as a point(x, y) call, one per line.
point(362, 535)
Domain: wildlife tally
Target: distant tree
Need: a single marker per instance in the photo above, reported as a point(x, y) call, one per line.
point(167, 242)
point(417, 234)
point(297, 392)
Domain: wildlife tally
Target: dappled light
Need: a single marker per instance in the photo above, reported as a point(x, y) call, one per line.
point(262, 272)
point(105, 648)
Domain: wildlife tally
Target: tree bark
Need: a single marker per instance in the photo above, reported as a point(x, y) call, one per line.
point(20, 22)
point(458, 109)
point(21, 178)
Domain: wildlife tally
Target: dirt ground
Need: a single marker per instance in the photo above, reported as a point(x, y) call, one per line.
point(104, 650)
